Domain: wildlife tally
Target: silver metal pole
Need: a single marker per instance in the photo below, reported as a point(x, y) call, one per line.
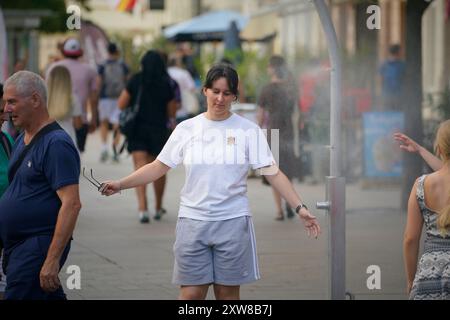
point(336, 87)
point(336, 237)
point(335, 194)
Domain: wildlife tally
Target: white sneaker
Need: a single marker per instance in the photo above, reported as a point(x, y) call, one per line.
point(159, 214)
point(104, 156)
point(144, 217)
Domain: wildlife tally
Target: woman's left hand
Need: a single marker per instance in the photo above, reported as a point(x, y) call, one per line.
point(310, 223)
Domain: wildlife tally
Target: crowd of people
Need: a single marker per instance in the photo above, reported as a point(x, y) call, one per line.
point(215, 242)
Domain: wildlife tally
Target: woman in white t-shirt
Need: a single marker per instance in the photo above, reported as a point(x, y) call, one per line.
point(215, 242)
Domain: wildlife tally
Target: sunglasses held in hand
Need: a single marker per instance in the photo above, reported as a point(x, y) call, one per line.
point(92, 180)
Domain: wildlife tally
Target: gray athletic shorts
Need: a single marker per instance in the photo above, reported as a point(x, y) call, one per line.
point(220, 252)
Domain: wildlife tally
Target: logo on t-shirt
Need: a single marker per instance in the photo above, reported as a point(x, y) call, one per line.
point(29, 164)
point(231, 141)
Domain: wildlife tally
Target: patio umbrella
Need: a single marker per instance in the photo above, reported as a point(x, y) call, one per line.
point(232, 44)
point(210, 26)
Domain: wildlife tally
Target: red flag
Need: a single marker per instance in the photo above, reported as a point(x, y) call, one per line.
point(126, 5)
point(131, 5)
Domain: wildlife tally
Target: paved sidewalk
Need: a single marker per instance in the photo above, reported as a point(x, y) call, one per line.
point(121, 259)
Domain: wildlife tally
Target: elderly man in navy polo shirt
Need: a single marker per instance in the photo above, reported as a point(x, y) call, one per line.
point(38, 211)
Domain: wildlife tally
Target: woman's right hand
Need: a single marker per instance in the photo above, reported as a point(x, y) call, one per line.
point(310, 223)
point(407, 143)
point(108, 188)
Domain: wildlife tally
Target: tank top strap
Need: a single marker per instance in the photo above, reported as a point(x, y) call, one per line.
point(420, 194)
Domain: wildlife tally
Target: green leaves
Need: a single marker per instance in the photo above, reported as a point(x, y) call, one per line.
point(56, 22)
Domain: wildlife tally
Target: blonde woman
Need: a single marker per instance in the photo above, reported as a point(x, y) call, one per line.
point(63, 106)
point(429, 204)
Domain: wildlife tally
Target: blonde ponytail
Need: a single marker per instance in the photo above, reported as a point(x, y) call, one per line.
point(442, 148)
point(59, 87)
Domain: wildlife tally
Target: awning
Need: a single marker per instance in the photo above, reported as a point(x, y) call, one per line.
point(261, 27)
point(210, 26)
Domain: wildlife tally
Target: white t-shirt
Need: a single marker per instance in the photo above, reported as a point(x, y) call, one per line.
point(187, 87)
point(217, 156)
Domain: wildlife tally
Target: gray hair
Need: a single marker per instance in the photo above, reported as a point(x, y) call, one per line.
point(27, 82)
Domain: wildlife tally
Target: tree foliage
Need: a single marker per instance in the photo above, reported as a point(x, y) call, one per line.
point(56, 22)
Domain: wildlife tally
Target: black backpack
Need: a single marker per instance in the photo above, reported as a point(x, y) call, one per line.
point(128, 117)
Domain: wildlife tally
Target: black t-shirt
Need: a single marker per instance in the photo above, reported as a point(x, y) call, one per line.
point(153, 103)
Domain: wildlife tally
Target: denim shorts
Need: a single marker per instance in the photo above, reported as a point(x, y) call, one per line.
point(220, 252)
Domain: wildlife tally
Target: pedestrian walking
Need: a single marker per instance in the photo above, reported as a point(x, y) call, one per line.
point(392, 79)
point(215, 241)
point(39, 209)
point(186, 84)
point(175, 103)
point(152, 91)
point(276, 106)
point(429, 207)
point(112, 79)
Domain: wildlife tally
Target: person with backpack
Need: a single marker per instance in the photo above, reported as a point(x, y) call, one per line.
point(392, 73)
point(112, 78)
point(6, 143)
